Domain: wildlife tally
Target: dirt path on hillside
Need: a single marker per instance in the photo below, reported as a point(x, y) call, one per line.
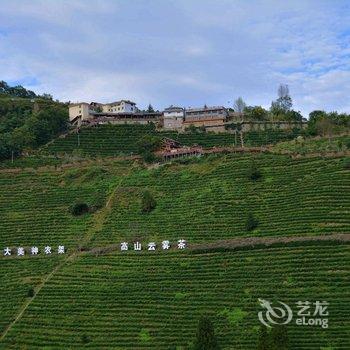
point(241, 242)
point(268, 241)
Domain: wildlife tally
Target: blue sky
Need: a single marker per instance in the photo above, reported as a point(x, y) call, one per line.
point(187, 53)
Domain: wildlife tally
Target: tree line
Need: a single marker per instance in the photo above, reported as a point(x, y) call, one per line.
point(320, 122)
point(20, 91)
point(28, 120)
point(206, 339)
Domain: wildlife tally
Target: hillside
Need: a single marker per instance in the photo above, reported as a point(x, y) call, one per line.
point(28, 120)
point(116, 140)
point(152, 300)
point(208, 198)
point(98, 297)
point(315, 145)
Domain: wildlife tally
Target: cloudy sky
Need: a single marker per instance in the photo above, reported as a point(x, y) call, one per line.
point(187, 53)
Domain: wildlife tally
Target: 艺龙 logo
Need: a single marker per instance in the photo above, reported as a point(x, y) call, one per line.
point(274, 314)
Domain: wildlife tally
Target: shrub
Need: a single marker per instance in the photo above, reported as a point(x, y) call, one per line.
point(279, 338)
point(205, 338)
point(97, 202)
point(263, 339)
point(148, 202)
point(148, 156)
point(79, 209)
point(253, 172)
point(147, 145)
point(251, 223)
point(346, 163)
point(144, 336)
point(30, 292)
point(85, 339)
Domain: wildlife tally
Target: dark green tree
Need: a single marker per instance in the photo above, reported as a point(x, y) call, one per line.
point(30, 292)
point(263, 339)
point(146, 146)
point(148, 203)
point(251, 223)
point(279, 338)
point(205, 337)
point(253, 172)
point(150, 109)
point(79, 208)
point(256, 113)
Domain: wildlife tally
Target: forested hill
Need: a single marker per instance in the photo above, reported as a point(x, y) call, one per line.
point(20, 91)
point(28, 120)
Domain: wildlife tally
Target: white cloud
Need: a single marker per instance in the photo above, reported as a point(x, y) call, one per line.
point(181, 52)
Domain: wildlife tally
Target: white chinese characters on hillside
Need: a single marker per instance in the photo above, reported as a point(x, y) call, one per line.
point(152, 246)
point(21, 251)
point(124, 246)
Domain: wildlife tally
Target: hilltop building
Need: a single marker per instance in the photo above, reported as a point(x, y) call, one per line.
point(119, 112)
point(123, 106)
point(178, 118)
point(173, 118)
point(212, 118)
point(81, 111)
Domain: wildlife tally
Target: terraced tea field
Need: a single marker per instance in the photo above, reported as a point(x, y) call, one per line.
point(210, 200)
point(153, 301)
point(18, 277)
point(34, 204)
point(116, 140)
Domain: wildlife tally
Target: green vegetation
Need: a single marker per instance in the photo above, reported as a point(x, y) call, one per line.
point(128, 299)
point(148, 202)
point(318, 145)
point(209, 199)
point(253, 172)
point(328, 124)
point(28, 121)
point(279, 338)
point(205, 337)
point(79, 208)
point(251, 223)
point(19, 91)
point(18, 277)
point(100, 297)
point(147, 145)
point(118, 140)
point(263, 339)
point(34, 203)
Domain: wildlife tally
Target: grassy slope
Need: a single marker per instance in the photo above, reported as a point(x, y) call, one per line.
point(210, 200)
point(34, 205)
point(17, 277)
point(114, 140)
point(314, 145)
point(123, 301)
point(153, 300)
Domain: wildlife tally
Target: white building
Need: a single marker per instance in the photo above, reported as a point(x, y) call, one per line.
point(84, 111)
point(173, 118)
point(123, 106)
